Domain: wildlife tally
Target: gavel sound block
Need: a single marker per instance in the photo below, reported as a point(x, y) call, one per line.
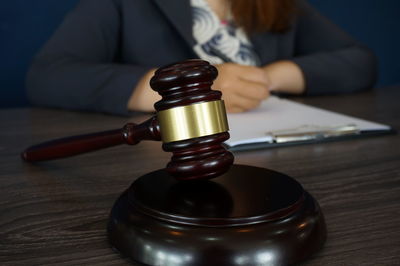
point(200, 209)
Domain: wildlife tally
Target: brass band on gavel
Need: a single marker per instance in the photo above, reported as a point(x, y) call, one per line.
point(192, 121)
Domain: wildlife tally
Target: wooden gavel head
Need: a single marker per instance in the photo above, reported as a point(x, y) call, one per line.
point(192, 120)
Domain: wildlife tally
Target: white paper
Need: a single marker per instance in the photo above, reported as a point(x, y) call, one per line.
point(277, 114)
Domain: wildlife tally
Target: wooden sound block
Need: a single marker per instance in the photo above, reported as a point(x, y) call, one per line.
point(248, 216)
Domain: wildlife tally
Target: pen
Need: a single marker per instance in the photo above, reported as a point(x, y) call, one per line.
point(309, 132)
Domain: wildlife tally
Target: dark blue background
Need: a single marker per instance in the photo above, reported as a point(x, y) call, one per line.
point(26, 24)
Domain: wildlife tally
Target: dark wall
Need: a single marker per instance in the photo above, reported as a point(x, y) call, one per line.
point(26, 24)
point(375, 23)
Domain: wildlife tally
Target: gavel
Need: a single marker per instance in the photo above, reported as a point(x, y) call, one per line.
point(246, 212)
point(190, 120)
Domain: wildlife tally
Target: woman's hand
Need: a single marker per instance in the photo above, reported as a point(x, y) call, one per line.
point(143, 97)
point(285, 76)
point(243, 87)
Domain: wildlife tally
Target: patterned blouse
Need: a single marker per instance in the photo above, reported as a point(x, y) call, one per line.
point(219, 41)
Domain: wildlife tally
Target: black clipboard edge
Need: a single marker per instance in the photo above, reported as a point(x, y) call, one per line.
point(266, 145)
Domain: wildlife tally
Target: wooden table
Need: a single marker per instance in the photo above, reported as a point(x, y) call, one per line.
point(56, 212)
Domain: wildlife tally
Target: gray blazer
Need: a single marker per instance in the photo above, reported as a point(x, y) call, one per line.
point(104, 47)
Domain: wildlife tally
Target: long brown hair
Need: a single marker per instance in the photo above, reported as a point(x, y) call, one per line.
point(263, 15)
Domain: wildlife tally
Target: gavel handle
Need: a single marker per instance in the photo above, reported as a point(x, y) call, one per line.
point(69, 146)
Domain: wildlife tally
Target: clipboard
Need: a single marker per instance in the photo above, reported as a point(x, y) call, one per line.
point(280, 122)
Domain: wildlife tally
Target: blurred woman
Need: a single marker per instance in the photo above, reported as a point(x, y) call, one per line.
point(103, 55)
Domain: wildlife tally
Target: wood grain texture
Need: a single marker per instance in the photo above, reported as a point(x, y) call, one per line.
point(55, 213)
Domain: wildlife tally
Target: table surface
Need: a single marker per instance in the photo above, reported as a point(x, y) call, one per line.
point(56, 212)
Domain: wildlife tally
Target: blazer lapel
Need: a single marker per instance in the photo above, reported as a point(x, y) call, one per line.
point(179, 13)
